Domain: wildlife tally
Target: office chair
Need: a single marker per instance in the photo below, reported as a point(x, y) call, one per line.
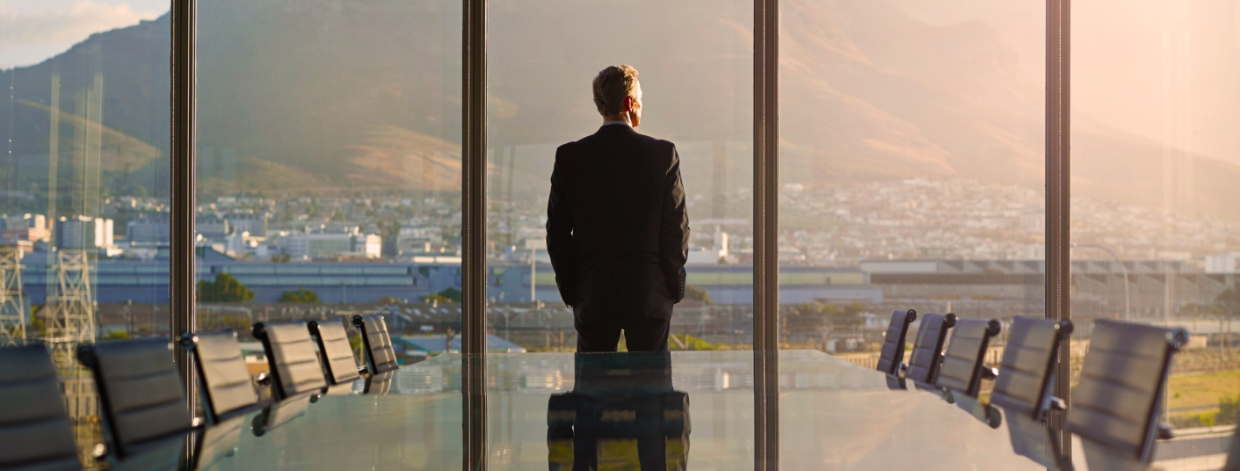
point(1027, 371)
point(140, 393)
point(337, 354)
point(294, 365)
point(1119, 397)
point(923, 364)
point(964, 366)
point(222, 374)
point(35, 431)
point(379, 353)
point(891, 359)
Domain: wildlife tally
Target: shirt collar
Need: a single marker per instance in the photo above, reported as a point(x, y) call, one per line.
point(606, 123)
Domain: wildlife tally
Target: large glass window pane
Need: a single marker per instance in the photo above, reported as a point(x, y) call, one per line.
point(911, 165)
point(695, 67)
point(1155, 162)
point(84, 146)
point(329, 181)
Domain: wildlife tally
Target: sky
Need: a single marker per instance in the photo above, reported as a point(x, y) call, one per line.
point(1162, 70)
point(34, 30)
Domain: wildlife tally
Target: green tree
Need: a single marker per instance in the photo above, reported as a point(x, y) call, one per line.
point(1229, 303)
point(450, 295)
point(37, 325)
point(1229, 409)
point(225, 289)
point(689, 342)
point(302, 295)
point(697, 294)
point(823, 318)
point(1229, 300)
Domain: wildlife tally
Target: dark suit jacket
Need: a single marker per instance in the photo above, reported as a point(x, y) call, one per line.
point(617, 230)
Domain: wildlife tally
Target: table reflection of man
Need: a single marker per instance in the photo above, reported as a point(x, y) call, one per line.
point(621, 414)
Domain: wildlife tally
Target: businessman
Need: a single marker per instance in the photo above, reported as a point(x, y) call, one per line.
point(617, 230)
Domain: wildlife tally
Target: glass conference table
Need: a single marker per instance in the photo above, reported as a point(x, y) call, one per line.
point(684, 410)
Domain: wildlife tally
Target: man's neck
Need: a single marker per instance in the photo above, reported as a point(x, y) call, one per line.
point(617, 119)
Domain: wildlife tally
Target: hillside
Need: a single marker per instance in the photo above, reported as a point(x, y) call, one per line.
point(295, 96)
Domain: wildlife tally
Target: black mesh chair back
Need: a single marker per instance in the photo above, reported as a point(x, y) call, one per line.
point(923, 364)
point(1119, 396)
point(893, 343)
point(965, 359)
point(222, 373)
point(379, 353)
point(1027, 370)
point(35, 432)
point(337, 354)
point(290, 355)
point(140, 393)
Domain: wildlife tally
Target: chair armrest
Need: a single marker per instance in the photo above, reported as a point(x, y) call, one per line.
point(187, 341)
point(1057, 403)
point(989, 373)
point(947, 395)
point(99, 452)
point(1165, 432)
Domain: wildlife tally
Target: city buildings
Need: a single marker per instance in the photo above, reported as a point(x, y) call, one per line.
point(82, 232)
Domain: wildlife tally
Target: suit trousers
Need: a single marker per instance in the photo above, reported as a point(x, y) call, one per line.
point(625, 294)
point(641, 334)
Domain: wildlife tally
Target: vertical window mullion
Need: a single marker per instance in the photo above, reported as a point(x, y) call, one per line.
point(473, 237)
point(766, 225)
point(182, 271)
point(1058, 263)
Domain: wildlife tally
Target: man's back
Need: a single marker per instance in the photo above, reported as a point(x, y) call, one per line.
point(614, 183)
point(617, 230)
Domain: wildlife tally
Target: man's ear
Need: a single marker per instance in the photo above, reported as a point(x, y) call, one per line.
point(628, 104)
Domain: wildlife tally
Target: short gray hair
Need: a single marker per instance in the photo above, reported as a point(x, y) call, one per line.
point(611, 86)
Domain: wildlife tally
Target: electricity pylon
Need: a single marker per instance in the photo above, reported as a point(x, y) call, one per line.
point(71, 311)
point(12, 303)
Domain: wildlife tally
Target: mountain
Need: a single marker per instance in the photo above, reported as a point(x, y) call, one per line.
point(121, 75)
point(297, 96)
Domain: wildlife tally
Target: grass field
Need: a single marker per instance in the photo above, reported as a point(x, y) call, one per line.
point(1202, 390)
point(1195, 395)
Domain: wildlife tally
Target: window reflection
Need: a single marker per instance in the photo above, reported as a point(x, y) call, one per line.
point(1153, 160)
point(84, 147)
point(696, 74)
point(328, 168)
point(911, 164)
